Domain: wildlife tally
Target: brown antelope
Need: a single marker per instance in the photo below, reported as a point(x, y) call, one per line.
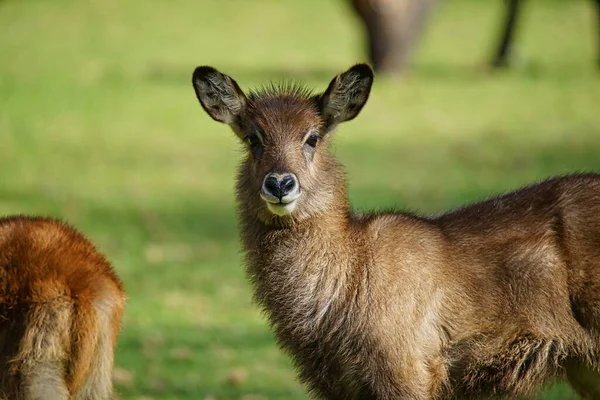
point(496, 298)
point(60, 311)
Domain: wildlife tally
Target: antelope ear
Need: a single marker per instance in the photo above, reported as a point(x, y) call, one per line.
point(346, 95)
point(220, 96)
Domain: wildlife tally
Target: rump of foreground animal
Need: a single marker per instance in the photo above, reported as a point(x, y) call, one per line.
point(494, 299)
point(60, 312)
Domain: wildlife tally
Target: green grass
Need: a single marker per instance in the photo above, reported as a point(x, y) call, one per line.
point(99, 125)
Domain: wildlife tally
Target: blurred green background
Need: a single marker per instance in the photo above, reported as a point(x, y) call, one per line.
point(99, 126)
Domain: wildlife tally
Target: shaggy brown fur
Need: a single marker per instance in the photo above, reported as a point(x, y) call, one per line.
point(494, 299)
point(60, 311)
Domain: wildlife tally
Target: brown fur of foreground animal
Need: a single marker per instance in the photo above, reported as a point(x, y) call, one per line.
point(493, 299)
point(60, 312)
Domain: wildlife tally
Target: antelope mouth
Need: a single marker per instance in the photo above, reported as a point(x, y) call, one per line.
point(283, 206)
point(282, 209)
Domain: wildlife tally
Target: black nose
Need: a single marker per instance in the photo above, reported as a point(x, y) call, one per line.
point(279, 186)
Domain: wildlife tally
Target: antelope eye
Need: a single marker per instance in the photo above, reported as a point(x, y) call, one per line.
point(252, 140)
point(312, 140)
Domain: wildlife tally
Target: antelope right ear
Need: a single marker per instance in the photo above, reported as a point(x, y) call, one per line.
point(346, 95)
point(220, 96)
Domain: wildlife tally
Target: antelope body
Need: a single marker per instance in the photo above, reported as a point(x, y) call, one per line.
point(60, 311)
point(493, 299)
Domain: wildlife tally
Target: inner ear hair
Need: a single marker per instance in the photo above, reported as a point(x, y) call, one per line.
point(219, 95)
point(346, 95)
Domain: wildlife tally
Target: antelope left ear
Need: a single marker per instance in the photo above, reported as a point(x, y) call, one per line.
point(346, 95)
point(220, 96)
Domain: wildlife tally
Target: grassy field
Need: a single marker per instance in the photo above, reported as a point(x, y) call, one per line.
point(99, 125)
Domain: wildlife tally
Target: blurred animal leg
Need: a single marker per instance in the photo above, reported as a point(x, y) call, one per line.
point(501, 58)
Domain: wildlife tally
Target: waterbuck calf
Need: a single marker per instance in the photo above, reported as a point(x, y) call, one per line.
point(493, 299)
point(60, 311)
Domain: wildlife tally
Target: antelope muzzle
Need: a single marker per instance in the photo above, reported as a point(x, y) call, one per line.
point(280, 192)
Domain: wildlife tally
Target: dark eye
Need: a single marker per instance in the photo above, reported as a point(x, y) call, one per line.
point(312, 140)
point(252, 140)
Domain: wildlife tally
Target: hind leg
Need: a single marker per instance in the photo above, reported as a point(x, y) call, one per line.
point(502, 55)
point(584, 380)
point(45, 381)
point(97, 385)
point(39, 364)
